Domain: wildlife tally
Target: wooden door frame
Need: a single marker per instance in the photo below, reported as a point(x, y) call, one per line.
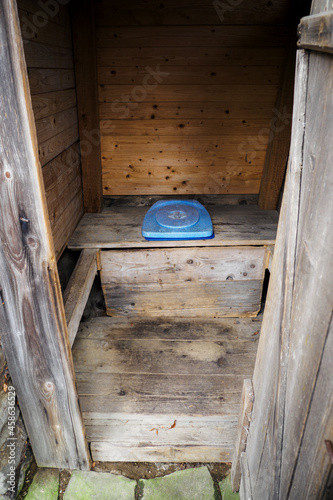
point(292, 382)
point(33, 327)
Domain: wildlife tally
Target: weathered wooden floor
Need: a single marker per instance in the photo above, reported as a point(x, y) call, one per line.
point(163, 389)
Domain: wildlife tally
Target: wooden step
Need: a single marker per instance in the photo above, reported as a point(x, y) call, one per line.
point(163, 389)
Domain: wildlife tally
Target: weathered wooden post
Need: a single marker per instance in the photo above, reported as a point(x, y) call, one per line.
point(32, 321)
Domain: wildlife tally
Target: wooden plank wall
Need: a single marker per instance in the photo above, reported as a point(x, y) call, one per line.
point(48, 50)
point(187, 91)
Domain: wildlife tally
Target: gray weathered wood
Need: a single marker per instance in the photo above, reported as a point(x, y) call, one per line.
point(197, 282)
point(320, 6)
point(120, 227)
point(316, 32)
point(78, 290)
point(245, 485)
point(161, 394)
point(33, 326)
point(269, 379)
point(313, 288)
point(242, 431)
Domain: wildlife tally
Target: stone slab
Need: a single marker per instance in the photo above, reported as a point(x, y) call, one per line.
point(189, 484)
point(45, 485)
point(226, 489)
point(99, 486)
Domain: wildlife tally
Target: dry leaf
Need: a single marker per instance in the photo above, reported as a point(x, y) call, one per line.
point(173, 425)
point(5, 387)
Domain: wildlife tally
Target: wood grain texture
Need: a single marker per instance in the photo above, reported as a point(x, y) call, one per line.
point(44, 105)
point(264, 446)
point(46, 31)
point(33, 328)
point(130, 414)
point(311, 321)
point(211, 282)
point(86, 87)
point(43, 81)
point(58, 13)
point(186, 56)
point(78, 290)
point(63, 190)
point(120, 227)
point(244, 419)
point(47, 56)
point(191, 36)
point(190, 13)
point(184, 80)
point(279, 141)
point(316, 32)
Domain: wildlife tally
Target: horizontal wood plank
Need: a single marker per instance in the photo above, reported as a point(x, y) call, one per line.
point(194, 127)
point(189, 177)
point(41, 55)
point(177, 110)
point(57, 13)
point(223, 55)
point(177, 36)
point(106, 452)
point(57, 144)
point(215, 330)
point(190, 13)
point(52, 33)
point(121, 228)
point(53, 125)
point(50, 80)
point(214, 144)
point(192, 93)
point(44, 105)
point(176, 266)
point(67, 222)
point(203, 75)
point(211, 300)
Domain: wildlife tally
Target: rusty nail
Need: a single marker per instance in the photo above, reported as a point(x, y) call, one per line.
point(329, 448)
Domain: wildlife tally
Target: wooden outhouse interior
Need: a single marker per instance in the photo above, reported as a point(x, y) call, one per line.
point(136, 101)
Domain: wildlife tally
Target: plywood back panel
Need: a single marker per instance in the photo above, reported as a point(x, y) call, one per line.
point(48, 51)
point(187, 93)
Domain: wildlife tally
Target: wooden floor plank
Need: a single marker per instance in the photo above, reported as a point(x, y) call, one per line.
point(165, 389)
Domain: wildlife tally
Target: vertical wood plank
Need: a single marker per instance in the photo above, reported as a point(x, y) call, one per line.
point(279, 143)
point(269, 380)
point(33, 328)
point(83, 27)
point(242, 431)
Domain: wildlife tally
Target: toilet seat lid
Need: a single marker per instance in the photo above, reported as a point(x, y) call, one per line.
point(176, 215)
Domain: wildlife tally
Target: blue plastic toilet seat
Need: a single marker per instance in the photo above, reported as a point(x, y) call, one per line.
point(177, 220)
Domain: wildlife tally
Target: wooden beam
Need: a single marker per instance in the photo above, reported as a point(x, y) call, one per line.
point(78, 290)
point(83, 26)
point(279, 140)
point(33, 327)
point(316, 32)
point(242, 431)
